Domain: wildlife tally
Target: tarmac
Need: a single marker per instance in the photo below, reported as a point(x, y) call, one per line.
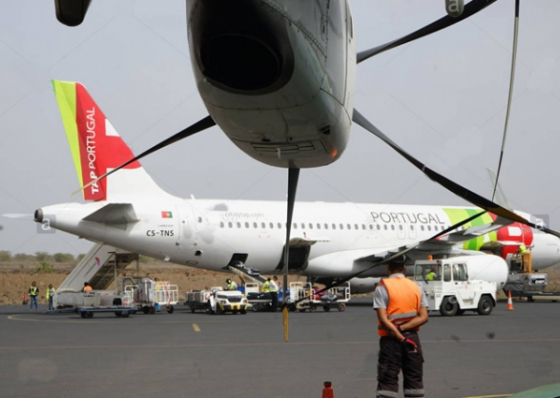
point(200, 355)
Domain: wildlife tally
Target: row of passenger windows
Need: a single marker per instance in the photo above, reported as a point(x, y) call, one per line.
point(333, 226)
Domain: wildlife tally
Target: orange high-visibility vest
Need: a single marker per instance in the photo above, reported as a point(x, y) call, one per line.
point(404, 302)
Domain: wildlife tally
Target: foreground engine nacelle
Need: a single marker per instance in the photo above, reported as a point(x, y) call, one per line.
point(363, 285)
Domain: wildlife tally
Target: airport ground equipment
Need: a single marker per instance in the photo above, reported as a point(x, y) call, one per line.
point(305, 298)
point(150, 295)
point(100, 268)
point(451, 288)
point(217, 301)
point(92, 303)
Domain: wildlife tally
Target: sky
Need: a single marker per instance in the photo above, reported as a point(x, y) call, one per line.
point(443, 98)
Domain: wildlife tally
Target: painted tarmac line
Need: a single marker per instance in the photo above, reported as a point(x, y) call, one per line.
point(101, 320)
point(195, 327)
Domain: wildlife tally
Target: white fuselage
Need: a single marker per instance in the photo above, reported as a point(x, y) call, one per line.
point(277, 76)
point(326, 238)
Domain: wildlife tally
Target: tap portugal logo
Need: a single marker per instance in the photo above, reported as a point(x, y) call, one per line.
point(96, 147)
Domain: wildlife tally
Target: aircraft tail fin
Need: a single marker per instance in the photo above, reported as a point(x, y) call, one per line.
point(97, 147)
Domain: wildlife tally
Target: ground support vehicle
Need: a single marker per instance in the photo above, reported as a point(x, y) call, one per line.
point(92, 305)
point(449, 289)
point(305, 298)
point(217, 301)
point(150, 295)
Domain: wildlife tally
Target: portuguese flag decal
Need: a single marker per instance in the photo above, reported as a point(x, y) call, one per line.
point(166, 214)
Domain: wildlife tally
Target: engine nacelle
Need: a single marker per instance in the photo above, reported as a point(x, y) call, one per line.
point(363, 285)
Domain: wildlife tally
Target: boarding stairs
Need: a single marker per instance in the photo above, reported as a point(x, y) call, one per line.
point(100, 267)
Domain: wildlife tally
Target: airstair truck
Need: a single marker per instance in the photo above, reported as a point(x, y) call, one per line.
point(463, 283)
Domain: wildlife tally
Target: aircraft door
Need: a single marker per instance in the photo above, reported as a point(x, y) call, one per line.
point(187, 227)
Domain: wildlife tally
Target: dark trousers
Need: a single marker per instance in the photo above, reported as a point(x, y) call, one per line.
point(394, 357)
point(274, 303)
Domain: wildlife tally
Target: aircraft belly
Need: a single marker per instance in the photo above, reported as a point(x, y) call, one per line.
point(310, 135)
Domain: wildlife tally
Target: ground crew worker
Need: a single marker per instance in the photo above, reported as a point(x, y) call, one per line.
point(274, 293)
point(431, 275)
point(401, 309)
point(522, 249)
point(50, 296)
point(87, 288)
point(230, 285)
point(33, 293)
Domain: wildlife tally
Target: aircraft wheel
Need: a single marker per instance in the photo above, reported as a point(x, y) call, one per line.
point(449, 306)
point(485, 306)
point(342, 307)
point(170, 309)
point(146, 310)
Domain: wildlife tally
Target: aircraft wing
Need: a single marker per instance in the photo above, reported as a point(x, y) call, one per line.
point(446, 244)
point(114, 214)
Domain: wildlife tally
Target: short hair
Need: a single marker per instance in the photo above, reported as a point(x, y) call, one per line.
point(397, 262)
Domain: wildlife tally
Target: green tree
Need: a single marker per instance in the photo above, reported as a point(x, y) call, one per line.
point(63, 257)
point(44, 267)
point(80, 257)
point(41, 256)
point(5, 255)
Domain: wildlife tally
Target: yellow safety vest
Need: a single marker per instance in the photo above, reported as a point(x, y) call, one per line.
point(33, 290)
point(266, 287)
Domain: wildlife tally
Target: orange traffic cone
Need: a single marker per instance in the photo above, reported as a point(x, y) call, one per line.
point(510, 303)
point(328, 391)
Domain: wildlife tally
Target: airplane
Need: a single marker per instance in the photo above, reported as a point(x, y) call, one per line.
point(128, 210)
point(278, 77)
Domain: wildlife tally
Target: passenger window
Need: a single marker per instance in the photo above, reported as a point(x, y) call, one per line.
point(238, 225)
point(348, 226)
point(310, 226)
point(400, 227)
point(392, 227)
point(341, 226)
point(378, 227)
point(279, 225)
point(370, 226)
point(421, 227)
point(326, 226)
point(230, 224)
point(412, 227)
point(318, 226)
point(334, 226)
point(295, 225)
point(246, 225)
point(385, 227)
point(263, 225)
point(355, 226)
point(255, 225)
point(363, 226)
point(429, 228)
point(271, 225)
point(221, 224)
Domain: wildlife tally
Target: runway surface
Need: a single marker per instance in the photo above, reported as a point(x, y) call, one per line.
point(200, 355)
